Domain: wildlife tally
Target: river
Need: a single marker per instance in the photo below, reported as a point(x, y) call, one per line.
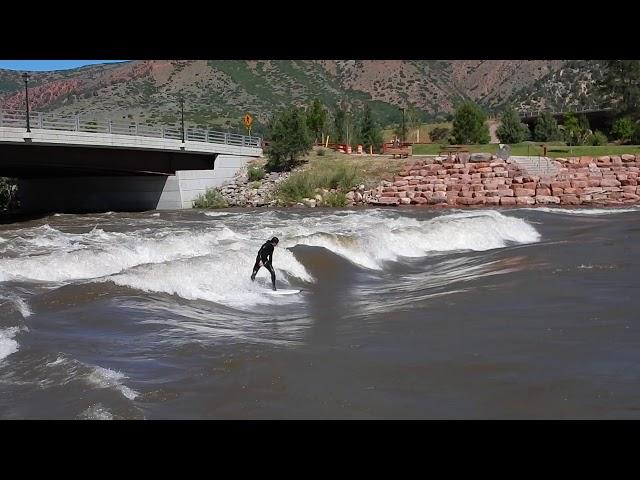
point(404, 313)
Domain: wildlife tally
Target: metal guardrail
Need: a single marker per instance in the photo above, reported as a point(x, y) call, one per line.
point(537, 113)
point(76, 123)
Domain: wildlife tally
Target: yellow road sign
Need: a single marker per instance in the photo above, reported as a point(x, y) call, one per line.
point(248, 120)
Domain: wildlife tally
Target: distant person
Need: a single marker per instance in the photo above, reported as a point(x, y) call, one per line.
point(264, 259)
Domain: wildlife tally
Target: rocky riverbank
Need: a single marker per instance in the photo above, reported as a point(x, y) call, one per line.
point(480, 180)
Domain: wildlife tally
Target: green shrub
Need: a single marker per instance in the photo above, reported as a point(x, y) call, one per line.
point(335, 199)
point(598, 138)
point(320, 152)
point(623, 129)
point(439, 133)
point(255, 173)
point(211, 199)
point(327, 175)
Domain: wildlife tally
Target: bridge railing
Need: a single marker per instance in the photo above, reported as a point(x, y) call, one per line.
point(76, 123)
point(586, 109)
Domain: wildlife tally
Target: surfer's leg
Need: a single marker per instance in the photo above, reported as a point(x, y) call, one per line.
point(256, 267)
point(273, 274)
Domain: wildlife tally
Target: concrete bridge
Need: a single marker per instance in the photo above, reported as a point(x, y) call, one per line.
point(74, 164)
point(598, 116)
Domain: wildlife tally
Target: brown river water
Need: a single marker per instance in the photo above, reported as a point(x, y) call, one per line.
point(404, 314)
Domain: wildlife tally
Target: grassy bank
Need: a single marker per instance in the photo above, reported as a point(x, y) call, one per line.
point(334, 171)
point(553, 151)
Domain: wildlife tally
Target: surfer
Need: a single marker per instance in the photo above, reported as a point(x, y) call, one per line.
point(264, 259)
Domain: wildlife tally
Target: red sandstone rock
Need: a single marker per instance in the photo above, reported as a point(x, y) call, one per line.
point(545, 199)
point(524, 192)
point(507, 201)
point(627, 157)
point(400, 183)
point(492, 200)
point(401, 194)
point(609, 182)
point(543, 191)
point(506, 193)
point(570, 200)
point(439, 196)
point(405, 201)
point(388, 201)
point(470, 201)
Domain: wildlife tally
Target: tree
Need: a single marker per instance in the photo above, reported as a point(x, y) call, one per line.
point(369, 132)
point(317, 119)
point(511, 129)
point(546, 129)
point(289, 139)
point(623, 129)
point(412, 120)
point(469, 124)
point(439, 133)
point(622, 80)
point(576, 131)
point(340, 123)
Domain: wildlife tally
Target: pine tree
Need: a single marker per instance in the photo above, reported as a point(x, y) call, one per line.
point(469, 124)
point(289, 139)
point(511, 129)
point(546, 129)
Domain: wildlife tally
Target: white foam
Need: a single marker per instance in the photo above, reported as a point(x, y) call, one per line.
point(96, 412)
point(17, 303)
point(374, 240)
point(217, 214)
point(7, 344)
point(222, 277)
point(58, 361)
point(105, 253)
point(584, 211)
point(106, 378)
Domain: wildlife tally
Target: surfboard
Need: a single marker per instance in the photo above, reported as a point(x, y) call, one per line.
point(283, 292)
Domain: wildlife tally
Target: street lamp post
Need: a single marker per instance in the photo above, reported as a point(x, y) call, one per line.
point(25, 76)
point(182, 116)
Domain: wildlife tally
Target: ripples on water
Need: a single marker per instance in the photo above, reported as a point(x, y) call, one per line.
point(153, 315)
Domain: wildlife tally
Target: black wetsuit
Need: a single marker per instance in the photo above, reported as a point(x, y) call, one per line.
point(264, 258)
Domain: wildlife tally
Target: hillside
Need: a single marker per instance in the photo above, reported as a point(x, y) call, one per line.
point(219, 90)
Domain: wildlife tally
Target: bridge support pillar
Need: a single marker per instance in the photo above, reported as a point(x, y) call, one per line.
point(125, 193)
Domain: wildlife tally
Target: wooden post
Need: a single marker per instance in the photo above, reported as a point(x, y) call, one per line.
point(326, 145)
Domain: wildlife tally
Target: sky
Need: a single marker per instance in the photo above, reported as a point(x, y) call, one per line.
point(48, 65)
